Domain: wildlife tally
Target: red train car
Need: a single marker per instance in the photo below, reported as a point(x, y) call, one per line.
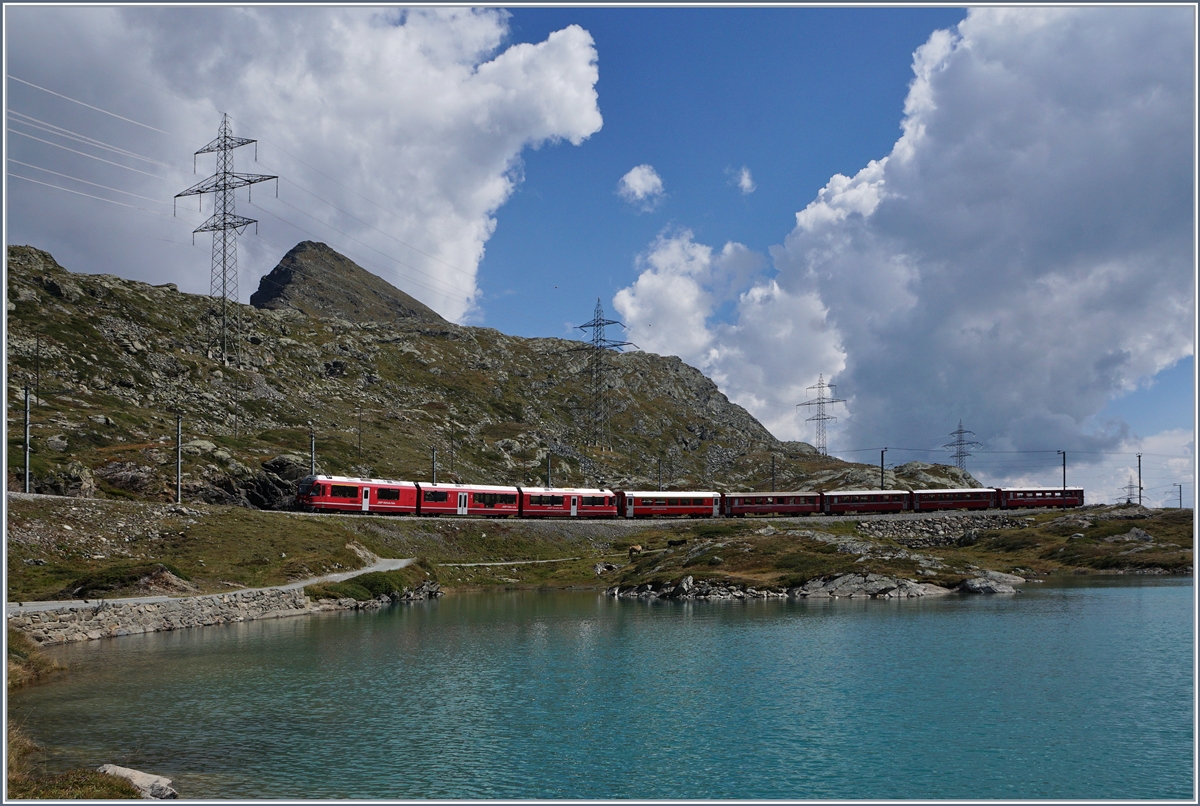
point(738, 505)
point(344, 494)
point(1022, 497)
point(865, 501)
point(976, 498)
point(660, 504)
point(561, 502)
point(468, 499)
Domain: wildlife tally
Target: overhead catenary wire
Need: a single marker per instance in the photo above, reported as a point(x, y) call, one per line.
point(88, 195)
point(50, 128)
point(85, 154)
point(89, 106)
point(84, 181)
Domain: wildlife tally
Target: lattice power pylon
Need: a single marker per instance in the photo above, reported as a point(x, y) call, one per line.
point(225, 225)
point(1131, 489)
point(596, 430)
point(960, 445)
point(820, 418)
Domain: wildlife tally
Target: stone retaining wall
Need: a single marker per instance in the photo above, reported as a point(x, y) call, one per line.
point(108, 620)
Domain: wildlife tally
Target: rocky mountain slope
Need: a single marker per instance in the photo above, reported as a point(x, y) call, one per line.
point(379, 379)
point(317, 281)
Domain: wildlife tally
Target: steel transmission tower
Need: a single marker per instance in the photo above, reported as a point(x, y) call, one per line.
point(820, 418)
point(225, 225)
point(960, 445)
point(597, 427)
point(1131, 489)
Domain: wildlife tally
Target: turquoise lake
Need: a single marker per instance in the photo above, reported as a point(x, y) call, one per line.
point(1068, 690)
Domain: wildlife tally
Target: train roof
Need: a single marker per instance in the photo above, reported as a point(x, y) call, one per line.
point(358, 480)
point(781, 492)
point(866, 492)
point(1037, 489)
point(665, 493)
point(489, 488)
point(568, 490)
point(957, 490)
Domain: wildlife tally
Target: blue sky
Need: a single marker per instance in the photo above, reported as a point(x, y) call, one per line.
point(795, 95)
point(983, 215)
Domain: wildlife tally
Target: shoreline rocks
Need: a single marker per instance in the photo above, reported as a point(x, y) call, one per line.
point(103, 619)
point(152, 787)
point(426, 590)
point(842, 586)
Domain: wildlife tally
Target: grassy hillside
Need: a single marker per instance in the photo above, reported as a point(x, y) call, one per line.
point(112, 360)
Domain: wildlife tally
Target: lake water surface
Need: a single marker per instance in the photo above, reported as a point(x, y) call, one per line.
point(1067, 690)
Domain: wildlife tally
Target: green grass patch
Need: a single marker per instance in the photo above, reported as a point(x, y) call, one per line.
point(117, 577)
point(376, 583)
point(26, 662)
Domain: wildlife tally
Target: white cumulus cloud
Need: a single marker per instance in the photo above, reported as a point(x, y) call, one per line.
point(396, 135)
point(1004, 263)
point(778, 345)
point(1022, 255)
point(642, 187)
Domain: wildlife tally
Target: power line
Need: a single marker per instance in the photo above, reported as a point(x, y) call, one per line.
point(381, 232)
point(83, 153)
point(89, 106)
point(88, 195)
point(84, 181)
point(61, 131)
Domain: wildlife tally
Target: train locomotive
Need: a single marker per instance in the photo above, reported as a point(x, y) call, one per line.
point(386, 497)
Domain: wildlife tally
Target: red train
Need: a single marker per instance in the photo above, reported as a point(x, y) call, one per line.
point(343, 494)
point(382, 496)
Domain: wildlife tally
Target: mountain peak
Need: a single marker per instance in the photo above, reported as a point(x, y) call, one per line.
point(318, 281)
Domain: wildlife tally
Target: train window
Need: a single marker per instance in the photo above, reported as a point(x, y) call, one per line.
point(387, 494)
point(546, 500)
point(343, 491)
point(437, 496)
point(491, 499)
point(594, 501)
point(662, 502)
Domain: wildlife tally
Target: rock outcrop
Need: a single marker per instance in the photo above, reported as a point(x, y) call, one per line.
point(152, 787)
point(938, 530)
point(317, 281)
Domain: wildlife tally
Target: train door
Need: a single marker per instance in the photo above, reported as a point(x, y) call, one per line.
point(462, 503)
point(574, 506)
point(629, 506)
point(366, 502)
point(716, 507)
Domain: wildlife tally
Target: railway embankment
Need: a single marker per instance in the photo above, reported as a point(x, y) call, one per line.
point(207, 564)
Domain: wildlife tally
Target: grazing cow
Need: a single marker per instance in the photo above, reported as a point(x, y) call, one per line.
point(682, 542)
point(634, 551)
